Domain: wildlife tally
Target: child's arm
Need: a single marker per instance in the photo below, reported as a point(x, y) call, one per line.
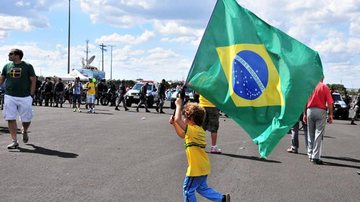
point(177, 121)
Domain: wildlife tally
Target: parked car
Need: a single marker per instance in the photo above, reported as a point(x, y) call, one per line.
point(189, 96)
point(133, 95)
point(340, 108)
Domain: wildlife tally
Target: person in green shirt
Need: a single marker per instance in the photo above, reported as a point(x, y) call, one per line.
point(20, 84)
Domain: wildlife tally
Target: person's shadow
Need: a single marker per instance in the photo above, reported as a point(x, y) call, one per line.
point(253, 158)
point(45, 151)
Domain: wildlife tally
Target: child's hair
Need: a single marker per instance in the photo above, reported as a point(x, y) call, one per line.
point(194, 112)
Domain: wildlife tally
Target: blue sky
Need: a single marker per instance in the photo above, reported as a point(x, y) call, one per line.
point(155, 39)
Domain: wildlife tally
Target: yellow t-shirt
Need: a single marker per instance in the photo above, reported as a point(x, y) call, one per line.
point(90, 88)
point(203, 102)
point(195, 143)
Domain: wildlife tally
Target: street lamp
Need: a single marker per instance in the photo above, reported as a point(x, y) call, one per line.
point(69, 41)
point(111, 49)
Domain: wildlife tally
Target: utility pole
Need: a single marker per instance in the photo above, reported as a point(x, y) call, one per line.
point(111, 49)
point(87, 53)
point(69, 41)
point(102, 47)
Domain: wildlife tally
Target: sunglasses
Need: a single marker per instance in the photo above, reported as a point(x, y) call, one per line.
point(11, 54)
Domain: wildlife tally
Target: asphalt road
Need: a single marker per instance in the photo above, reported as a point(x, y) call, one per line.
point(129, 156)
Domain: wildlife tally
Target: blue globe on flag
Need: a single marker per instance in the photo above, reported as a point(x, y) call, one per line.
point(250, 75)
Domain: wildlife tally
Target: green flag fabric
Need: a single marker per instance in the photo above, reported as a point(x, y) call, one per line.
point(258, 75)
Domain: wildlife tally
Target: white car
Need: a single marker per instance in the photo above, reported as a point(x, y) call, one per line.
point(133, 95)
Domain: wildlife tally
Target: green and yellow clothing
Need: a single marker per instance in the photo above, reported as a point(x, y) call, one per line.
point(195, 143)
point(203, 102)
point(17, 77)
point(90, 88)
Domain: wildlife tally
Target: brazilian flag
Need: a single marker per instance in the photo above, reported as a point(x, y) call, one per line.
point(258, 75)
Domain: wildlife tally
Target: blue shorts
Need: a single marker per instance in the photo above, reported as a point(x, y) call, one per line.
point(90, 99)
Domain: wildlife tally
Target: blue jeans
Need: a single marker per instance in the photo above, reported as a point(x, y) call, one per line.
point(192, 184)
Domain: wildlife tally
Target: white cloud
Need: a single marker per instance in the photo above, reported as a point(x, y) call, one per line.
point(24, 15)
point(14, 23)
point(175, 32)
point(127, 38)
point(355, 26)
point(145, 4)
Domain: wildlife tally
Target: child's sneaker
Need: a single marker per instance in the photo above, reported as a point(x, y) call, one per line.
point(215, 150)
point(226, 198)
point(13, 145)
point(74, 110)
point(78, 110)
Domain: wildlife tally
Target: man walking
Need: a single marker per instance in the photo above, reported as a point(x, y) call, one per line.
point(19, 88)
point(77, 90)
point(211, 122)
point(315, 117)
point(162, 96)
point(143, 99)
point(90, 95)
point(122, 92)
point(356, 108)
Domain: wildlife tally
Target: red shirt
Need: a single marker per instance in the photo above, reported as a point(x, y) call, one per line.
point(320, 97)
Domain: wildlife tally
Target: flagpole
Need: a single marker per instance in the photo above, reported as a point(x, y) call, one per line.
point(68, 70)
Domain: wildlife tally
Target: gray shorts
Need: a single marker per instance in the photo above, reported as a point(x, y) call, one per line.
point(211, 122)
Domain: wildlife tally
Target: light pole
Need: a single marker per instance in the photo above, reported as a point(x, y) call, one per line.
point(69, 41)
point(102, 47)
point(111, 49)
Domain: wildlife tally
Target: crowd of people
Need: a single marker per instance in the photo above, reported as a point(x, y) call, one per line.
point(23, 90)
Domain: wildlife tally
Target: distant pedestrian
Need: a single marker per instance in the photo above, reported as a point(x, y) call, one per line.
point(190, 129)
point(47, 91)
point(90, 95)
point(101, 89)
point(162, 97)
point(295, 136)
point(20, 84)
point(59, 92)
point(77, 91)
point(315, 116)
point(121, 98)
point(356, 110)
point(143, 98)
point(37, 96)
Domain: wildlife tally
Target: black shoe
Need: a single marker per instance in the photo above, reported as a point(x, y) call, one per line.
point(148, 111)
point(116, 108)
point(137, 109)
point(353, 123)
point(25, 136)
point(162, 112)
point(157, 109)
point(126, 109)
point(317, 162)
point(226, 198)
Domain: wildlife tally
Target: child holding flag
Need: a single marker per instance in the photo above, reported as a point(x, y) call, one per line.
point(198, 169)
